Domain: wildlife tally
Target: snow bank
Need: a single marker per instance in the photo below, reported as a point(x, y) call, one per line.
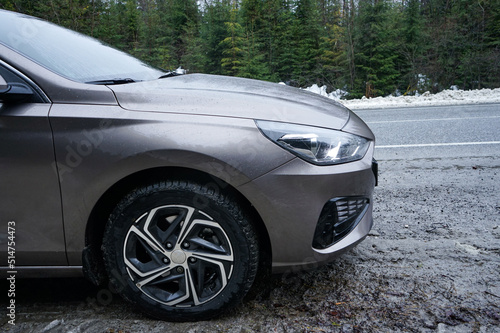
point(446, 97)
point(336, 94)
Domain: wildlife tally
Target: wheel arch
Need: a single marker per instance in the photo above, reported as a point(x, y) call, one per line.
point(93, 264)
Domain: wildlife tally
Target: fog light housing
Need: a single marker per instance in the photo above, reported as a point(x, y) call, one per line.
point(338, 218)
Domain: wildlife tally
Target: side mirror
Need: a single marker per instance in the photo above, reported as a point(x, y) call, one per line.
point(14, 92)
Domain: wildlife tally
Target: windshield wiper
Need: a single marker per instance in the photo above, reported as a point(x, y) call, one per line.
point(112, 81)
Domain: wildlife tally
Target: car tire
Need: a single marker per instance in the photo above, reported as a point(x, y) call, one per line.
point(180, 251)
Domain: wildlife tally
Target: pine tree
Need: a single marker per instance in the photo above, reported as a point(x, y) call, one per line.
point(333, 57)
point(272, 19)
point(79, 15)
point(282, 62)
point(412, 47)
point(194, 59)
point(474, 64)
point(371, 46)
point(258, 34)
point(491, 57)
point(232, 51)
point(182, 15)
point(111, 26)
point(460, 52)
point(375, 51)
point(7, 4)
point(213, 31)
point(305, 43)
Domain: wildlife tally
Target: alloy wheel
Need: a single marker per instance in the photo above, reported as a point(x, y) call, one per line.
point(178, 256)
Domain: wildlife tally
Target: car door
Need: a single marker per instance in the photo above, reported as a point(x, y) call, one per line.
point(30, 201)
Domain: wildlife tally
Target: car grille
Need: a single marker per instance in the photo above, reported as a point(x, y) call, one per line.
point(338, 217)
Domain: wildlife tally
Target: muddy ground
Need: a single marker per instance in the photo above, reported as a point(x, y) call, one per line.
point(430, 264)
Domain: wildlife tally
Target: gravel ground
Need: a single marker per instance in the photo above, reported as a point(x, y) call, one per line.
point(430, 264)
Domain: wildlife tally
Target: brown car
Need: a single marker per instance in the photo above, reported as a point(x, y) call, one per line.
point(179, 189)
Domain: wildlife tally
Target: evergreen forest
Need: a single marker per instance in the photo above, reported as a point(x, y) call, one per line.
point(366, 47)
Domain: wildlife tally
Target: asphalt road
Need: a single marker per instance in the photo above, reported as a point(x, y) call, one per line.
point(430, 264)
point(435, 132)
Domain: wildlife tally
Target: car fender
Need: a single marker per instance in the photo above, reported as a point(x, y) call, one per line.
point(98, 146)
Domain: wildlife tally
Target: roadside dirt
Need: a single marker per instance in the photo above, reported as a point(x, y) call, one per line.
point(430, 264)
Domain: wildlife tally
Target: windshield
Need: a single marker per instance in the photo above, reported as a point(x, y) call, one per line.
point(70, 54)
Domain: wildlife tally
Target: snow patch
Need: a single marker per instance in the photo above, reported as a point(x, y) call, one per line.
point(336, 94)
point(452, 96)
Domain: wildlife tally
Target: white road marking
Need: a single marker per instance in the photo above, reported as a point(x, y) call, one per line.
point(440, 144)
point(423, 120)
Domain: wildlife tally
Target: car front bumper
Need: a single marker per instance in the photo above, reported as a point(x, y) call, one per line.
point(291, 199)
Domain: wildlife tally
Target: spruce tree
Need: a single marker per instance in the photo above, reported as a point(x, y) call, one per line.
point(282, 62)
point(412, 48)
point(333, 48)
point(257, 18)
point(232, 51)
point(375, 53)
point(213, 31)
point(306, 40)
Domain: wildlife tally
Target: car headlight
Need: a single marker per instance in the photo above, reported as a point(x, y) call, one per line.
point(317, 145)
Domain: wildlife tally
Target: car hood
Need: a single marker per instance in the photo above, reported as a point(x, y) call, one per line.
point(231, 97)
